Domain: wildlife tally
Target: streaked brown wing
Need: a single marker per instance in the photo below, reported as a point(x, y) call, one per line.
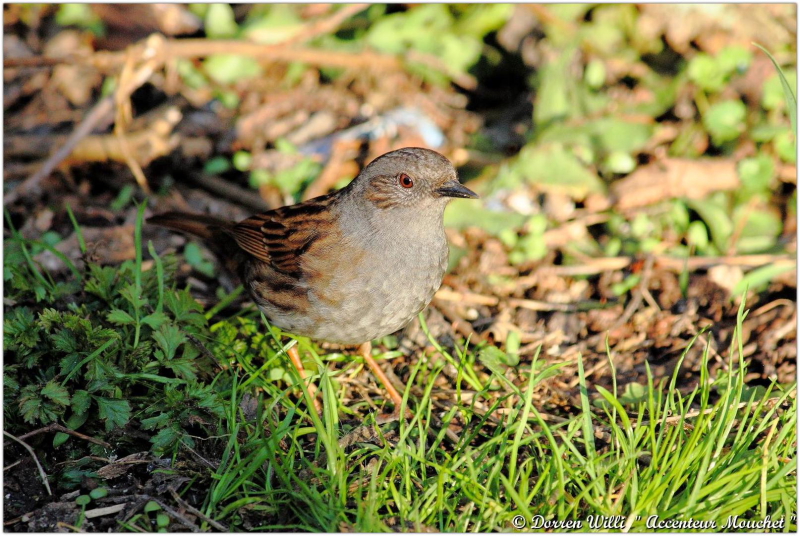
point(280, 237)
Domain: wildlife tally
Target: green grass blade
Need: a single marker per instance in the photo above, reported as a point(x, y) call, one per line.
point(791, 99)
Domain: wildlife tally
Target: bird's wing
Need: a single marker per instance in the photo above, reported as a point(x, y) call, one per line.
point(281, 237)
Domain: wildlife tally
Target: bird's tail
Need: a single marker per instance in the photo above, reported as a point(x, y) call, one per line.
point(215, 232)
point(207, 228)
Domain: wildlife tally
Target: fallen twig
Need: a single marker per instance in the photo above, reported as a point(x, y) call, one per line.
point(11, 466)
point(446, 294)
point(55, 427)
point(459, 324)
point(325, 26)
point(110, 62)
point(42, 474)
point(104, 511)
point(242, 196)
point(217, 525)
point(153, 141)
point(674, 264)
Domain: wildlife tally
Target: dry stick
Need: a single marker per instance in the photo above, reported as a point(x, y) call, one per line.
point(112, 60)
point(24, 518)
point(203, 350)
point(459, 324)
point(62, 525)
point(325, 26)
point(673, 264)
point(40, 61)
point(240, 195)
point(190, 49)
point(7, 467)
point(104, 511)
point(124, 113)
point(55, 427)
point(202, 460)
point(42, 474)
point(445, 294)
point(219, 526)
point(200, 48)
point(773, 304)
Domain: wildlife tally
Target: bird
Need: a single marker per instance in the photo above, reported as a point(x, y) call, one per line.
point(347, 267)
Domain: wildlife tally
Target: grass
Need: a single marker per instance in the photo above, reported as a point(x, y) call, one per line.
point(679, 457)
point(722, 450)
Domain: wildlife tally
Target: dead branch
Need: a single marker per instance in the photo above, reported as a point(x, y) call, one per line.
point(42, 474)
point(55, 427)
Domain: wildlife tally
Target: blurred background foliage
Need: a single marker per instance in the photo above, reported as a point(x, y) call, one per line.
point(569, 99)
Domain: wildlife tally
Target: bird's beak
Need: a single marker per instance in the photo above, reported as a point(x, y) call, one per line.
point(453, 188)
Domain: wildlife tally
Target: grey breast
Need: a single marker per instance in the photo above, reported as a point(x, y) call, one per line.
point(377, 282)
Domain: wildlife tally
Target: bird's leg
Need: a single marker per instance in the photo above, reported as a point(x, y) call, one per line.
point(365, 351)
point(294, 355)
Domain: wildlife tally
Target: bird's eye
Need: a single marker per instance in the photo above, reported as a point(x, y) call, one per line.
point(405, 181)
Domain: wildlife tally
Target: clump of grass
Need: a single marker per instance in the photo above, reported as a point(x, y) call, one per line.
point(722, 450)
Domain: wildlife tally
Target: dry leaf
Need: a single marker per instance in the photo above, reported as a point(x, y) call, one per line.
point(674, 177)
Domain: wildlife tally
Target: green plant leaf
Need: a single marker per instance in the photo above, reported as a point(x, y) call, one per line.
point(98, 493)
point(554, 93)
point(151, 423)
point(220, 21)
point(116, 413)
point(552, 168)
point(169, 338)
point(80, 401)
point(717, 219)
point(162, 520)
point(120, 317)
point(706, 72)
point(55, 392)
point(786, 146)
point(756, 173)
point(462, 216)
point(725, 121)
point(155, 319)
point(791, 99)
point(756, 280)
point(496, 360)
point(280, 23)
point(77, 420)
point(230, 68)
point(165, 438)
point(198, 260)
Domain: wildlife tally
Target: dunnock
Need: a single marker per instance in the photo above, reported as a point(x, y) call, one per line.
point(350, 266)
